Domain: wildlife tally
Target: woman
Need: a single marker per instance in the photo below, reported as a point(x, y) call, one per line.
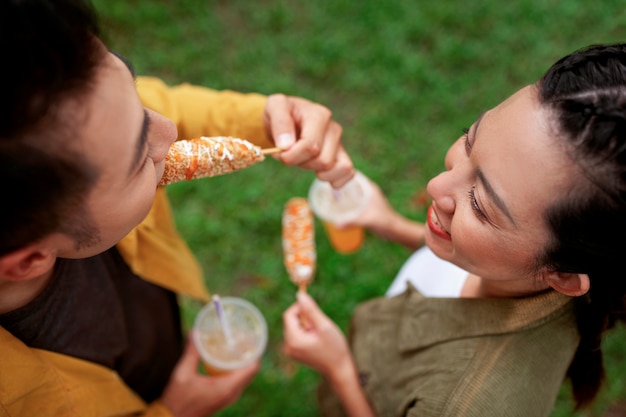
point(517, 282)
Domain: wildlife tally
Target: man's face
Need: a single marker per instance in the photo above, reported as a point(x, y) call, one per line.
point(127, 144)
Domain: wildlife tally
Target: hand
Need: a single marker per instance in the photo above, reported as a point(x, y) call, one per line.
point(378, 212)
point(190, 394)
point(310, 137)
point(384, 221)
point(314, 339)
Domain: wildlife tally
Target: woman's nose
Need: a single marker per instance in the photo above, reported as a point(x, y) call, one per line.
point(441, 190)
point(444, 187)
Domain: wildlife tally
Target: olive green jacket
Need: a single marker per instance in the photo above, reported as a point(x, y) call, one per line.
point(461, 357)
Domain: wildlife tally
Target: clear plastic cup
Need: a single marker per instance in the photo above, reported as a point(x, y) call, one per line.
point(243, 342)
point(337, 207)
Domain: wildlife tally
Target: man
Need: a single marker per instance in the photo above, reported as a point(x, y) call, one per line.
point(90, 262)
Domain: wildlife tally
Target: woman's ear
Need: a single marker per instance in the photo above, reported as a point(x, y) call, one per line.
point(27, 263)
point(569, 284)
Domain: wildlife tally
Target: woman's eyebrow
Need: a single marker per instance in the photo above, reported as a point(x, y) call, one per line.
point(494, 196)
point(487, 185)
point(478, 120)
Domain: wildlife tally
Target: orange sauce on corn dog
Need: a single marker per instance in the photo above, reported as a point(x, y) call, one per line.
point(193, 160)
point(299, 241)
point(208, 156)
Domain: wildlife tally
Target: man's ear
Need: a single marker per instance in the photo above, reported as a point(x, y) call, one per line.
point(26, 263)
point(569, 284)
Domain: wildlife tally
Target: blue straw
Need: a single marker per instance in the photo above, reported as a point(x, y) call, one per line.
point(223, 321)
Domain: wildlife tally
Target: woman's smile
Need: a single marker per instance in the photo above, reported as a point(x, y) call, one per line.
point(434, 225)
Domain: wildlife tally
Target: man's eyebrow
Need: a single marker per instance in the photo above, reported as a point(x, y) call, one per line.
point(141, 141)
point(494, 196)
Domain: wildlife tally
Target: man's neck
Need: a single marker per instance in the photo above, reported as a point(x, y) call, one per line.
point(16, 294)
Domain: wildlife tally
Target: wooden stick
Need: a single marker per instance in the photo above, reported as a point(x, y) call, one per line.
point(268, 151)
point(304, 322)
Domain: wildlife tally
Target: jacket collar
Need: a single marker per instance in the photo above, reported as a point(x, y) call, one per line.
point(156, 252)
point(487, 316)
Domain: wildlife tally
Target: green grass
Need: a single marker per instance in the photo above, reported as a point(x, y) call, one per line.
point(403, 78)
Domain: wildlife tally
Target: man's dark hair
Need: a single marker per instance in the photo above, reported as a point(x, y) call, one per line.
point(50, 56)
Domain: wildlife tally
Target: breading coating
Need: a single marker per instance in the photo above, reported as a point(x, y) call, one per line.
point(208, 157)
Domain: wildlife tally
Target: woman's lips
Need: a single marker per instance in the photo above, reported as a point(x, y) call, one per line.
point(433, 224)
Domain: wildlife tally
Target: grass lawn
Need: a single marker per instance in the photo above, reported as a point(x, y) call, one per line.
point(402, 77)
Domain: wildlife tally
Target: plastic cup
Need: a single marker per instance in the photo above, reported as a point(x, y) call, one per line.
point(247, 334)
point(341, 206)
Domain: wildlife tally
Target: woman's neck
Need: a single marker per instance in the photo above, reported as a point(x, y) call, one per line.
point(477, 287)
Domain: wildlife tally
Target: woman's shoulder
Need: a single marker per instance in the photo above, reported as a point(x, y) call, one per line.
point(437, 350)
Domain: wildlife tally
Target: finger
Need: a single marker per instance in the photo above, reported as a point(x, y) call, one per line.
point(291, 320)
point(242, 376)
point(310, 310)
point(289, 313)
point(279, 119)
point(237, 380)
point(342, 172)
point(315, 130)
point(190, 358)
point(315, 122)
point(329, 142)
point(313, 153)
point(229, 386)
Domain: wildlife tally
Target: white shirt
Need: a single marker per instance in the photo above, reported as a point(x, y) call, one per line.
point(430, 275)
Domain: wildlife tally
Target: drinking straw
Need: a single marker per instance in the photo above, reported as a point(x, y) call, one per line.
point(223, 322)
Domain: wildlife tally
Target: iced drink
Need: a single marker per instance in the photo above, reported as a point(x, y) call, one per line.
point(337, 207)
point(242, 341)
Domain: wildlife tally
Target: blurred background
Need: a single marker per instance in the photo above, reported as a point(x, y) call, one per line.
point(402, 77)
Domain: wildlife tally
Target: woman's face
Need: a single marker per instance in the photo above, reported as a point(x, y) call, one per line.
point(488, 206)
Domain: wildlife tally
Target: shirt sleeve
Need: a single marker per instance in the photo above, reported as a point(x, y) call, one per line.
point(200, 111)
point(157, 409)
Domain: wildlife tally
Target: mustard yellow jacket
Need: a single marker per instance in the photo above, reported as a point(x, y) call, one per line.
point(40, 383)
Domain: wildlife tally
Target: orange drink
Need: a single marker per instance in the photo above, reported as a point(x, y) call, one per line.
point(337, 207)
point(345, 239)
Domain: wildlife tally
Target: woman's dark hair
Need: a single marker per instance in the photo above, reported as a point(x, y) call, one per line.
point(586, 95)
point(50, 56)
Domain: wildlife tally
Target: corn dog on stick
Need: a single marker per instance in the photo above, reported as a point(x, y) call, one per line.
point(299, 242)
point(207, 157)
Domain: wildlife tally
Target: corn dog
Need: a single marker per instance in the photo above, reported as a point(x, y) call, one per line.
point(299, 242)
point(207, 157)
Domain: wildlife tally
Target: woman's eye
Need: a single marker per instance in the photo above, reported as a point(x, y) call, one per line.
point(468, 145)
point(474, 203)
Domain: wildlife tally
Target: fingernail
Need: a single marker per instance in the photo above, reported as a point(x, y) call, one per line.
point(284, 140)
